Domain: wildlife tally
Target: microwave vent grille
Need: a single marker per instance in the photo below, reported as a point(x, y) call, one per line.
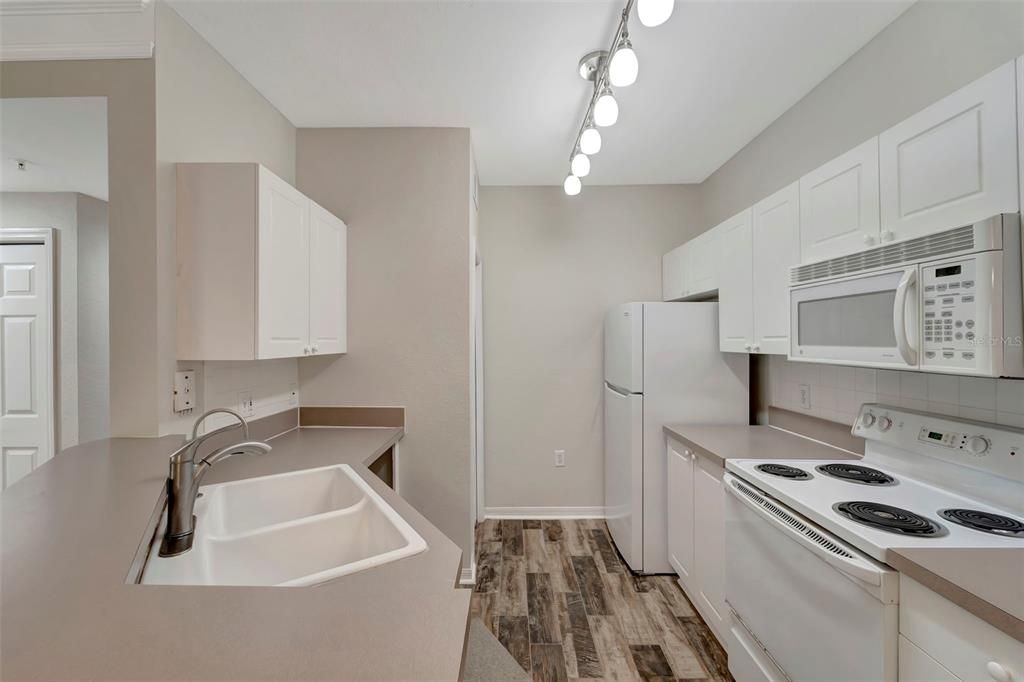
point(909, 251)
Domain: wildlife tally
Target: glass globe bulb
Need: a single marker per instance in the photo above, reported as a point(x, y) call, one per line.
point(572, 185)
point(624, 67)
point(654, 12)
point(580, 165)
point(590, 141)
point(606, 110)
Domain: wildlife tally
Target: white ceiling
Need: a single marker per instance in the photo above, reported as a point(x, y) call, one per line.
point(63, 141)
point(711, 79)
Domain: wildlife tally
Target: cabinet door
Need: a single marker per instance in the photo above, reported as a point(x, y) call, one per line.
point(328, 241)
point(839, 205)
point(673, 274)
point(776, 232)
point(680, 511)
point(702, 261)
point(735, 284)
point(953, 163)
point(917, 666)
point(283, 272)
point(709, 542)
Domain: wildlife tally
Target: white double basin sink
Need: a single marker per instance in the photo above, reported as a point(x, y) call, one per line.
point(289, 530)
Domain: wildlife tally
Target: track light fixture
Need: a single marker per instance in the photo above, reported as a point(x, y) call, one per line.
point(615, 67)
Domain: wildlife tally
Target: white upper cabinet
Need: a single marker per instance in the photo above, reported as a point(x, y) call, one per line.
point(702, 274)
point(839, 210)
point(261, 267)
point(673, 274)
point(328, 244)
point(691, 271)
point(283, 280)
point(736, 284)
point(953, 163)
point(776, 243)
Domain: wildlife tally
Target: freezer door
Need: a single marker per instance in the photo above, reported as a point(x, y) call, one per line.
point(624, 347)
point(623, 472)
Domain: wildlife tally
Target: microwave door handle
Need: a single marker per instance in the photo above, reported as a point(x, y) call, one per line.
point(899, 317)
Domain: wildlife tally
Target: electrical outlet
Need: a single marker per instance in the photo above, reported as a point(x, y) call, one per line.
point(559, 458)
point(805, 396)
point(184, 391)
point(246, 405)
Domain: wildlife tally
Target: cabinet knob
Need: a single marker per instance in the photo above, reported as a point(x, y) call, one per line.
point(869, 240)
point(888, 235)
point(757, 348)
point(997, 672)
point(747, 347)
point(316, 349)
point(305, 350)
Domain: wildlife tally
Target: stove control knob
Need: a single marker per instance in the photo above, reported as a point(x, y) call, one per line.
point(868, 420)
point(884, 423)
point(977, 446)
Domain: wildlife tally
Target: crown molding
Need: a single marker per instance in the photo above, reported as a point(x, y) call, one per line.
point(36, 7)
point(38, 52)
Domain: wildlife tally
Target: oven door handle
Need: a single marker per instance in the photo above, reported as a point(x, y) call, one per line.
point(899, 316)
point(829, 549)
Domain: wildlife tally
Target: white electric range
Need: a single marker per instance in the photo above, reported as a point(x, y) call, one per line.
point(810, 594)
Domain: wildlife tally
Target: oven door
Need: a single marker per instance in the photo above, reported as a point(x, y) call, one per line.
point(805, 605)
point(869, 320)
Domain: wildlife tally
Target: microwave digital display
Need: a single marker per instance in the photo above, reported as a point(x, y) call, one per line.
point(948, 271)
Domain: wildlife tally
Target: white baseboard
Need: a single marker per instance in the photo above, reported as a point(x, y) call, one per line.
point(544, 512)
point(468, 576)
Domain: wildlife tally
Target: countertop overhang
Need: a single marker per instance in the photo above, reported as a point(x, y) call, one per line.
point(72, 528)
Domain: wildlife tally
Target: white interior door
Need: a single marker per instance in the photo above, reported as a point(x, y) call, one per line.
point(26, 358)
point(328, 241)
point(283, 269)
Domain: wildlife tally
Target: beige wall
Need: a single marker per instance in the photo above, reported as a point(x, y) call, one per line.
point(402, 192)
point(93, 319)
point(129, 86)
point(205, 111)
point(927, 53)
point(553, 265)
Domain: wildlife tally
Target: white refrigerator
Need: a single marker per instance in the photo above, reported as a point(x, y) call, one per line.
point(661, 365)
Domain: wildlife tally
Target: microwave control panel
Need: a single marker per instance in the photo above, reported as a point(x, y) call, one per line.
point(949, 313)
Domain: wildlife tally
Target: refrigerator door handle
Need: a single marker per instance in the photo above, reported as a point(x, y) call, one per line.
point(616, 389)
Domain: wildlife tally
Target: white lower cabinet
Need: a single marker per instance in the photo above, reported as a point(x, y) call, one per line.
point(696, 532)
point(945, 643)
point(917, 666)
point(680, 510)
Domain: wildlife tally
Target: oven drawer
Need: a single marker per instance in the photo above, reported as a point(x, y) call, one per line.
point(819, 609)
point(959, 641)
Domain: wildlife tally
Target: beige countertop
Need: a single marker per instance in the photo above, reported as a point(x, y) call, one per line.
point(71, 531)
point(976, 579)
point(735, 441)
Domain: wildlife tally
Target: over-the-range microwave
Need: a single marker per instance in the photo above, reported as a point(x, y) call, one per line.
point(949, 302)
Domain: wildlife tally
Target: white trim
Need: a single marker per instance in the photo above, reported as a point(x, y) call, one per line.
point(468, 576)
point(33, 7)
point(36, 52)
point(544, 513)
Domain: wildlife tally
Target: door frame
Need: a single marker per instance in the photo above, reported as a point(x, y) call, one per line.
point(46, 237)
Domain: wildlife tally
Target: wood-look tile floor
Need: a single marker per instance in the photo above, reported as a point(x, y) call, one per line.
point(557, 596)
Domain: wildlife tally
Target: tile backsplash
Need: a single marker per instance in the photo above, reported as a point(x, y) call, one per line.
point(836, 393)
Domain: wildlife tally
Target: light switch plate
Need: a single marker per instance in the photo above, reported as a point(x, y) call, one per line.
point(805, 396)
